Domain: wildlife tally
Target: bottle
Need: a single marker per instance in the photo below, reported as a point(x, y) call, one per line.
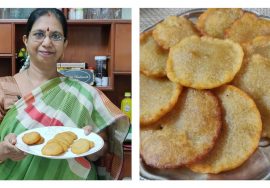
point(101, 69)
point(126, 105)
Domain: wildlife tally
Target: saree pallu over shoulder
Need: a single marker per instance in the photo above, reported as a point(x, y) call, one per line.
point(59, 102)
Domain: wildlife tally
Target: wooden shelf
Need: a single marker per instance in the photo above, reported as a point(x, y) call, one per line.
point(6, 55)
point(15, 21)
point(104, 88)
point(83, 21)
point(122, 73)
point(87, 38)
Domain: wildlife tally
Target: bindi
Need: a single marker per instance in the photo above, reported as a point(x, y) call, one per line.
point(48, 29)
point(49, 14)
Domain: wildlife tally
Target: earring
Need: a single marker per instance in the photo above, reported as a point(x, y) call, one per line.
point(26, 64)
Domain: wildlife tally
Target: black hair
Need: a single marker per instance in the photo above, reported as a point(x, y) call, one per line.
point(37, 13)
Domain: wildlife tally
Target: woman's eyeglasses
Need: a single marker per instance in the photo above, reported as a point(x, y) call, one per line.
point(39, 36)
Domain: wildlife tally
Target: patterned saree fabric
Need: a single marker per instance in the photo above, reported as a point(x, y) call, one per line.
point(62, 102)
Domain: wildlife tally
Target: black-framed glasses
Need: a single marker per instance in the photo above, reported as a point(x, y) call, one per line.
point(40, 35)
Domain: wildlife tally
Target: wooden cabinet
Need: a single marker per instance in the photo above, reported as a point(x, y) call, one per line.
point(126, 170)
point(5, 66)
point(87, 39)
point(122, 48)
point(6, 39)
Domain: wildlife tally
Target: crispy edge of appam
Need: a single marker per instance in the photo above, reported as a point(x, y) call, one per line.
point(171, 73)
point(41, 141)
point(80, 146)
point(156, 126)
point(31, 141)
point(242, 76)
point(249, 46)
point(203, 17)
point(230, 30)
point(56, 152)
point(207, 168)
point(252, 16)
point(164, 43)
point(176, 93)
point(143, 39)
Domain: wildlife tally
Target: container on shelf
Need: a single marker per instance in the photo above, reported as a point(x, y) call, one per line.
point(101, 73)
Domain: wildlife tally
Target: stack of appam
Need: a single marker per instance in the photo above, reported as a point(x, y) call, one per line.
point(204, 90)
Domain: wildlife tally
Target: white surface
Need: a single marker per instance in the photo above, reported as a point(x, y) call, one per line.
point(49, 132)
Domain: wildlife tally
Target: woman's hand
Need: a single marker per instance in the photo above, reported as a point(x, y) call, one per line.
point(87, 129)
point(93, 157)
point(8, 150)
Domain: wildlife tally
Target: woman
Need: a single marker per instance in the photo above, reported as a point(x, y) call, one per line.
point(39, 96)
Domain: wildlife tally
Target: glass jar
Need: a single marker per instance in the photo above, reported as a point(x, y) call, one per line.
point(101, 71)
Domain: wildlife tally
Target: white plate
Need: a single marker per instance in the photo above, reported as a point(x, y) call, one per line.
point(49, 132)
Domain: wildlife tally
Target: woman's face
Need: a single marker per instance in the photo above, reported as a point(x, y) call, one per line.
point(45, 43)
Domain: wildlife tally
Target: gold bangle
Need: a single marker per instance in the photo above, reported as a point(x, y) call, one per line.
point(1, 162)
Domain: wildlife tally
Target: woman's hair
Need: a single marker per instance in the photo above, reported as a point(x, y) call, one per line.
point(41, 12)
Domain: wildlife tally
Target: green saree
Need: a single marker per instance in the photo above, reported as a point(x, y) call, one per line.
point(61, 102)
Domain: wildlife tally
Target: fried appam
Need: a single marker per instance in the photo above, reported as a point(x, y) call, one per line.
point(52, 149)
point(247, 28)
point(259, 45)
point(81, 145)
point(31, 138)
point(157, 97)
point(240, 134)
point(214, 21)
point(254, 79)
point(172, 30)
point(186, 133)
point(204, 63)
point(152, 57)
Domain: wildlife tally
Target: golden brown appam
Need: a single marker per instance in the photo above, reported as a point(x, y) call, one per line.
point(157, 97)
point(69, 138)
point(65, 145)
point(259, 45)
point(81, 145)
point(52, 149)
point(172, 30)
point(240, 134)
point(247, 28)
point(186, 134)
point(204, 63)
point(254, 79)
point(41, 141)
point(214, 21)
point(152, 57)
point(31, 138)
